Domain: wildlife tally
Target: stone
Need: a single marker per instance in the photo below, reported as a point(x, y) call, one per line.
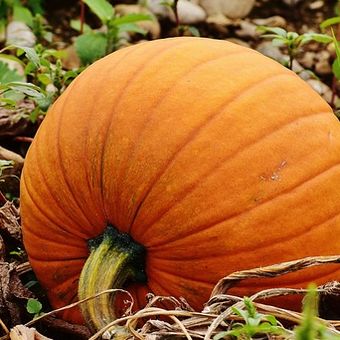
point(234, 9)
point(274, 21)
point(247, 29)
point(18, 33)
point(322, 89)
point(323, 66)
point(316, 5)
point(189, 12)
point(151, 26)
point(271, 51)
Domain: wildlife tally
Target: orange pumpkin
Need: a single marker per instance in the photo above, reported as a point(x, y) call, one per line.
point(212, 157)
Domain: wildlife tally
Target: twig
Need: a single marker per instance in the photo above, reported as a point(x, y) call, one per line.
point(271, 271)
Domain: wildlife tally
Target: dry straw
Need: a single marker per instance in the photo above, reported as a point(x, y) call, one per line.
point(154, 322)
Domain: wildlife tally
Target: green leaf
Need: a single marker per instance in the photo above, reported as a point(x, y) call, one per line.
point(31, 54)
point(276, 30)
point(131, 28)
point(23, 14)
point(194, 31)
point(76, 24)
point(318, 37)
point(8, 102)
point(336, 68)
point(131, 18)
point(90, 47)
point(330, 22)
point(44, 79)
point(3, 23)
point(271, 319)
point(28, 89)
point(33, 306)
point(7, 75)
point(279, 42)
point(101, 8)
point(36, 6)
point(4, 164)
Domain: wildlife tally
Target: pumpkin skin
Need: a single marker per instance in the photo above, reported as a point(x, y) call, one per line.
point(212, 156)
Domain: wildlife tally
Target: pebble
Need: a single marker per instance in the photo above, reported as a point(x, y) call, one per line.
point(238, 42)
point(322, 89)
point(274, 21)
point(219, 19)
point(189, 13)
point(18, 33)
point(267, 49)
point(316, 5)
point(234, 9)
point(151, 26)
point(291, 2)
point(247, 29)
point(308, 59)
point(323, 66)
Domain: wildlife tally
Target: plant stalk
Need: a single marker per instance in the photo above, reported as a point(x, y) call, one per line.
point(115, 260)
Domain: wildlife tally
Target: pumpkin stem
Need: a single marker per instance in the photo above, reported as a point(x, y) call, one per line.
point(115, 259)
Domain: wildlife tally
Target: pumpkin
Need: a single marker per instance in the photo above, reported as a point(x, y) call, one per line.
point(174, 163)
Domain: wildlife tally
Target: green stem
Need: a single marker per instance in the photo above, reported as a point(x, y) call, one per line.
point(115, 260)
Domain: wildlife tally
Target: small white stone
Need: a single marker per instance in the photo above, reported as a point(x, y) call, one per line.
point(322, 89)
point(188, 13)
point(274, 21)
point(273, 52)
point(316, 5)
point(18, 33)
point(151, 26)
point(234, 9)
point(247, 29)
point(308, 59)
point(291, 2)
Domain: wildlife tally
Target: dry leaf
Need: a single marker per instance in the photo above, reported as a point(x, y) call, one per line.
point(9, 225)
point(11, 289)
point(21, 332)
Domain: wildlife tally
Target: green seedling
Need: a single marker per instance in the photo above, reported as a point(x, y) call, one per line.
point(253, 324)
point(34, 307)
point(292, 40)
point(94, 44)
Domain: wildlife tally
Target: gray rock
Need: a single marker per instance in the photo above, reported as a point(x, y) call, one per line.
point(18, 33)
point(234, 9)
point(322, 89)
point(274, 21)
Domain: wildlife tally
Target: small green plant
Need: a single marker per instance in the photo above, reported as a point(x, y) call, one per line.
point(19, 253)
point(181, 29)
point(292, 40)
point(94, 44)
point(25, 11)
point(311, 328)
point(46, 79)
point(253, 324)
point(329, 24)
point(3, 166)
point(34, 307)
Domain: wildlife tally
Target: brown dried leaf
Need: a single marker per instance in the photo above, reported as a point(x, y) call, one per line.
point(9, 225)
point(65, 327)
point(11, 288)
point(21, 332)
point(12, 122)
